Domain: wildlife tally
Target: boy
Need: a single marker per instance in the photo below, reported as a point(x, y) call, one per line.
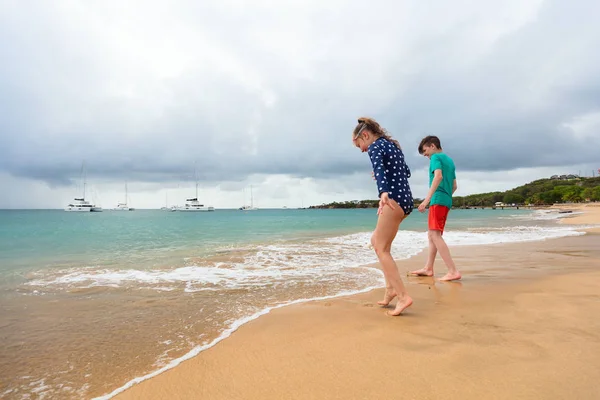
point(442, 185)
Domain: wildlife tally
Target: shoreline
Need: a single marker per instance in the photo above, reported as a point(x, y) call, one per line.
point(191, 364)
point(585, 214)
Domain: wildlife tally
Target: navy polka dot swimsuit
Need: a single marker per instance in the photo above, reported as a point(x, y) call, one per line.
point(391, 172)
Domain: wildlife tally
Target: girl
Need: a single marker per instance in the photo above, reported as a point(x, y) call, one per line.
point(395, 202)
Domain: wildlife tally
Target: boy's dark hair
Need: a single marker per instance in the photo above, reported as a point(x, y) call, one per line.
point(428, 141)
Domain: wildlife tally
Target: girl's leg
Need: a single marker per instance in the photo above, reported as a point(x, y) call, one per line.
point(385, 232)
point(389, 293)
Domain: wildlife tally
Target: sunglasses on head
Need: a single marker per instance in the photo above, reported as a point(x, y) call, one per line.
point(362, 128)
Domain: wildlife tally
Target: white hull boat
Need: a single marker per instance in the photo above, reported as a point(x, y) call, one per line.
point(80, 204)
point(251, 206)
point(124, 206)
point(193, 205)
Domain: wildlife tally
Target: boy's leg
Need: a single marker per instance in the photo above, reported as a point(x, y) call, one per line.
point(427, 270)
point(436, 229)
point(435, 220)
point(442, 247)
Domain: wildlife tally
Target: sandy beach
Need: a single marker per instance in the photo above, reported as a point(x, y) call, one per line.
point(583, 213)
point(522, 324)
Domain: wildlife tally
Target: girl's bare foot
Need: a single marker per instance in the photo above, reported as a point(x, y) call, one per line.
point(422, 272)
point(389, 296)
point(402, 304)
point(451, 277)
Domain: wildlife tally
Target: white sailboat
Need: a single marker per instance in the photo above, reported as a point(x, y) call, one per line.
point(124, 206)
point(166, 207)
point(193, 204)
point(251, 206)
point(80, 204)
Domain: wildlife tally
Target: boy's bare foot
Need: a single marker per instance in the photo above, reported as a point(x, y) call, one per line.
point(451, 277)
point(389, 296)
point(422, 272)
point(401, 305)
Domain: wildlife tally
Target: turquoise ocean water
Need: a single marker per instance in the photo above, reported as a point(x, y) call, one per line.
point(31, 240)
point(91, 301)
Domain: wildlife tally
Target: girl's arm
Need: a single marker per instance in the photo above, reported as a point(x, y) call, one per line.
point(376, 154)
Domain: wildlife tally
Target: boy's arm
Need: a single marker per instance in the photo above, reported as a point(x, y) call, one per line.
point(376, 155)
point(454, 187)
point(436, 166)
point(437, 179)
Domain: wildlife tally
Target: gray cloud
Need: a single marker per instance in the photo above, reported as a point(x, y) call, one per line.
point(144, 92)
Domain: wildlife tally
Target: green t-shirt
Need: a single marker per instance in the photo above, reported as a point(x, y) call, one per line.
point(443, 194)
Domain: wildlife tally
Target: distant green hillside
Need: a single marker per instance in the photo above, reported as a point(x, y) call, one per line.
point(541, 192)
point(350, 204)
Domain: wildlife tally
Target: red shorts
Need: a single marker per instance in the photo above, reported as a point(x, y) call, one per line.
point(437, 217)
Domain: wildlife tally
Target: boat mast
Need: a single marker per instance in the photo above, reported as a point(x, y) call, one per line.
point(84, 178)
point(196, 179)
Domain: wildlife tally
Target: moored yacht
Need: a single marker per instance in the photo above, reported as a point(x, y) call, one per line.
point(251, 206)
point(80, 204)
point(166, 207)
point(123, 206)
point(193, 204)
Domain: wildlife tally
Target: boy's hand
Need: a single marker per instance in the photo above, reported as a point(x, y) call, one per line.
point(384, 200)
point(373, 175)
point(424, 204)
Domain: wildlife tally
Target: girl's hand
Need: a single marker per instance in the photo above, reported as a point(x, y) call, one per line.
point(384, 200)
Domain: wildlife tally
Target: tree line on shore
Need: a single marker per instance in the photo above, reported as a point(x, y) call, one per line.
point(538, 193)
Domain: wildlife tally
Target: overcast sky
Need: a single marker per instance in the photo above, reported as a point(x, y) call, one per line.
point(266, 93)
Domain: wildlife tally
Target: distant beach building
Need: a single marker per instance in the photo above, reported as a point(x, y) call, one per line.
point(565, 177)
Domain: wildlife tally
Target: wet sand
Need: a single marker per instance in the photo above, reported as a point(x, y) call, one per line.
point(521, 324)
